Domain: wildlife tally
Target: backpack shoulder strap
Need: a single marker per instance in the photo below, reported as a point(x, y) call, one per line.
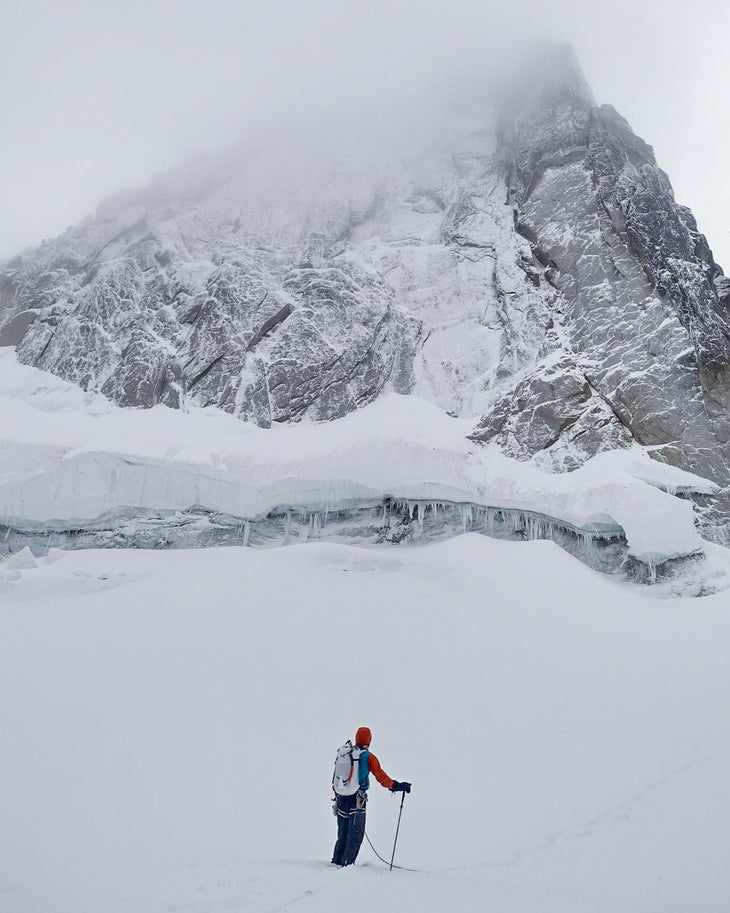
point(363, 759)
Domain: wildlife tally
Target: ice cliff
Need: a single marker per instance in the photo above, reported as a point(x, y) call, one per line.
point(77, 470)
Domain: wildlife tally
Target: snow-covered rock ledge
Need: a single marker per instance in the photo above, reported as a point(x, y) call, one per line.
point(73, 461)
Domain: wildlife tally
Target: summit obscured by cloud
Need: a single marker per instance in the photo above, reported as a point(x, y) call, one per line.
point(96, 97)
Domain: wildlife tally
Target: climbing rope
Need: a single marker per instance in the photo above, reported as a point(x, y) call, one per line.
point(402, 867)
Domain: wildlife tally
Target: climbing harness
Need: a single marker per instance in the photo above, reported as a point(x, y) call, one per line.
point(361, 801)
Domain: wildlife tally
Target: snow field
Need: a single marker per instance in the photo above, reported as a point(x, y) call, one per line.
point(170, 721)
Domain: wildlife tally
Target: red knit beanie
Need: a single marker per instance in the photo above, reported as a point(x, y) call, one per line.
point(363, 737)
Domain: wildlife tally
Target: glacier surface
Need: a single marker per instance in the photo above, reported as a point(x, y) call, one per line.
point(147, 696)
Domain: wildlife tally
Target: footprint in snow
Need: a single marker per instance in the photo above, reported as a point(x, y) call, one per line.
point(362, 564)
point(86, 575)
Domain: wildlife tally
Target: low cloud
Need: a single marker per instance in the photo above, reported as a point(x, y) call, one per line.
point(97, 97)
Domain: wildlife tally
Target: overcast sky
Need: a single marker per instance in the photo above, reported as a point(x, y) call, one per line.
point(96, 96)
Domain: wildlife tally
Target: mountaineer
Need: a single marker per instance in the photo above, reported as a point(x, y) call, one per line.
point(350, 782)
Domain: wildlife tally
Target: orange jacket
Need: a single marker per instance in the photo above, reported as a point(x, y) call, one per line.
point(363, 737)
point(377, 771)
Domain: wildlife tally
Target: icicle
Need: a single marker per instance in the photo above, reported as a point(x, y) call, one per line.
point(652, 572)
point(246, 533)
point(466, 515)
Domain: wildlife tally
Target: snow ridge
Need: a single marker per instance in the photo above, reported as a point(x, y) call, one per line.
point(96, 461)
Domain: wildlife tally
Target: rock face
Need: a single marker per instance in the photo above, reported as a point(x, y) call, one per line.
point(554, 411)
point(264, 334)
point(643, 299)
point(529, 266)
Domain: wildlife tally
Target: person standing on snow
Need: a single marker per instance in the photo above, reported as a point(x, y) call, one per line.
point(350, 783)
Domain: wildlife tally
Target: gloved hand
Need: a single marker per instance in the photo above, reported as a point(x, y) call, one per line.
point(400, 787)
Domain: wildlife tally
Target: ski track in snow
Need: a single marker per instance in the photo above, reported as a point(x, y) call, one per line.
point(615, 814)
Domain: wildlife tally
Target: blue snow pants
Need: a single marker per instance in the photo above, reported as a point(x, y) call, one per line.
point(350, 828)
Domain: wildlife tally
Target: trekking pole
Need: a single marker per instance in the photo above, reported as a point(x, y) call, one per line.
point(403, 799)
